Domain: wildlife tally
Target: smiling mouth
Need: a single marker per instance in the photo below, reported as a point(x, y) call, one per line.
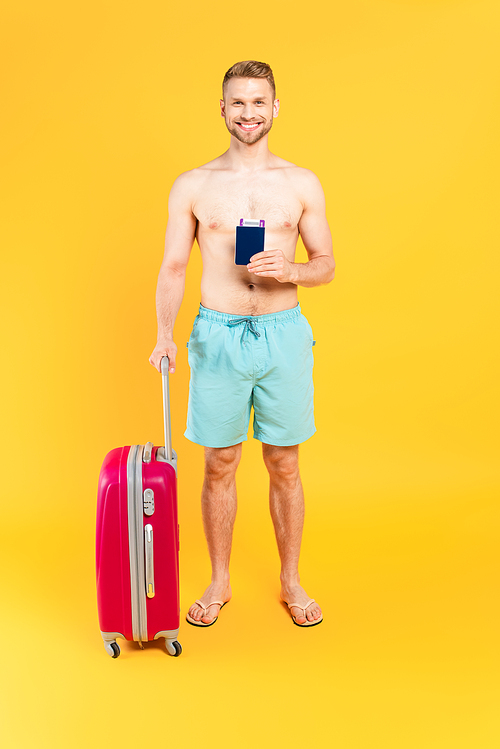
point(248, 127)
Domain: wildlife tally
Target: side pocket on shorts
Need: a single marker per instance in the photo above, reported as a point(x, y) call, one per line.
point(189, 344)
point(310, 336)
point(196, 321)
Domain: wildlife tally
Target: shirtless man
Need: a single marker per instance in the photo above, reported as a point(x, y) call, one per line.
point(250, 344)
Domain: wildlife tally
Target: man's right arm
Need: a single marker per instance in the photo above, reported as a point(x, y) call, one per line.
point(179, 238)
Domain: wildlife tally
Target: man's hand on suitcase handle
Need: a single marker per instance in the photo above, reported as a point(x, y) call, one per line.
point(164, 348)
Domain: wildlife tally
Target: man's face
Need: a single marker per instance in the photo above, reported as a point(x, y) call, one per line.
point(248, 108)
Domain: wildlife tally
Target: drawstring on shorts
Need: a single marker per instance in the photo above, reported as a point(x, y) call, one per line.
point(249, 325)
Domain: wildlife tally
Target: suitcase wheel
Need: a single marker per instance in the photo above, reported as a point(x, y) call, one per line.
point(112, 648)
point(173, 647)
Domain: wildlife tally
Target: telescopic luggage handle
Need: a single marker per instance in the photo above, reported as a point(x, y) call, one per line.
point(165, 364)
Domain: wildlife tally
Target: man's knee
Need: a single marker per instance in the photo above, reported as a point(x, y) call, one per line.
point(282, 462)
point(221, 462)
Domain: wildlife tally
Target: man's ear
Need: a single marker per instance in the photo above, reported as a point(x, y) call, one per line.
point(222, 111)
point(276, 107)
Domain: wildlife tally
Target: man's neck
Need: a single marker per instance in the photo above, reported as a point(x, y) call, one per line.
point(248, 157)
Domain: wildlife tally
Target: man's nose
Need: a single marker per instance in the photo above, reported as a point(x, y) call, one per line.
point(248, 113)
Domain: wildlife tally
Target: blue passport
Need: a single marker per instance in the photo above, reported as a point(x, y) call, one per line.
point(250, 235)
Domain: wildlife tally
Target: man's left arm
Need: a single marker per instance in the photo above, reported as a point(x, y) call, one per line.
point(317, 239)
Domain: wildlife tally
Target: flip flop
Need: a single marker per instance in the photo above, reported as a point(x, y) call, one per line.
point(199, 623)
point(307, 623)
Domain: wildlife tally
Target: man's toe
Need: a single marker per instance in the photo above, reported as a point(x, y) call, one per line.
point(210, 614)
point(299, 615)
point(195, 612)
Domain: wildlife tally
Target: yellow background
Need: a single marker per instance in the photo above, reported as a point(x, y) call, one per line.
point(395, 105)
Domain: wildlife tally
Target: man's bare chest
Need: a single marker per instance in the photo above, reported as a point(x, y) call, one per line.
point(221, 206)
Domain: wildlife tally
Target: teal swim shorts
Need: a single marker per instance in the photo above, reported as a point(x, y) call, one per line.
point(237, 362)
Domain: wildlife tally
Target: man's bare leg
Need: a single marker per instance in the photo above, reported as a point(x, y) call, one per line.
point(218, 505)
point(286, 501)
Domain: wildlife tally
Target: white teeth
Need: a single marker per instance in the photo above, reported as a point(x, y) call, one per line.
point(250, 127)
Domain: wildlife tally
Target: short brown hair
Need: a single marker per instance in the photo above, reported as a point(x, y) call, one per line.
point(250, 69)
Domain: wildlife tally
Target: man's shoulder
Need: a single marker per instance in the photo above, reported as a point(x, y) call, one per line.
point(303, 175)
point(186, 187)
point(187, 179)
point(304, 183)
point(298, 174)
point(193, 177)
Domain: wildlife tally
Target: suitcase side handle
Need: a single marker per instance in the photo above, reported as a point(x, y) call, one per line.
point(166, 407)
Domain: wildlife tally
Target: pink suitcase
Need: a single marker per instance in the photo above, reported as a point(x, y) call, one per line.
point(137, 542)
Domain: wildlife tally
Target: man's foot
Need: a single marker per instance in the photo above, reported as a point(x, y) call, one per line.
point(304, 613)
point(220, 593)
